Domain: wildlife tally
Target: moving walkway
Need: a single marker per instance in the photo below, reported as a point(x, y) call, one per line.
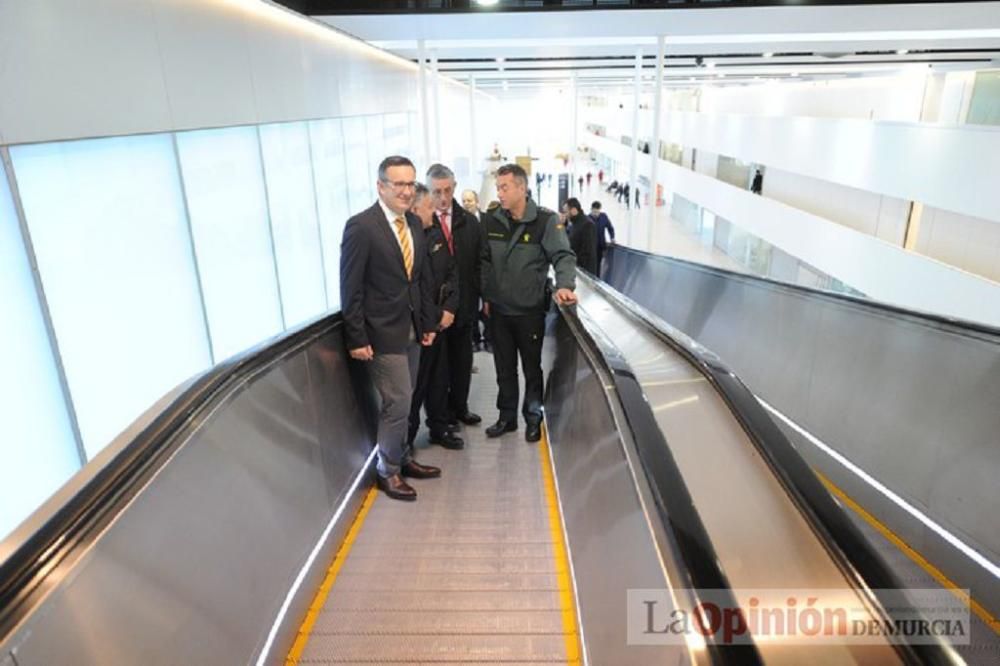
point(236, 522)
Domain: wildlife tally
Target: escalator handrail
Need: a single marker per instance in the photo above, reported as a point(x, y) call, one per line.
point(964, 326)
point(72, 526)
point(674, 506)
point(851, 550)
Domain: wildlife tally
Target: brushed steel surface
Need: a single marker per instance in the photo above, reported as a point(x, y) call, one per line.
point(610, 542)
point(762, 540)
point(911, 401)
point(196, 567)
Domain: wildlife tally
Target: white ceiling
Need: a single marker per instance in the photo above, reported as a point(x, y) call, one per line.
point(601, 45)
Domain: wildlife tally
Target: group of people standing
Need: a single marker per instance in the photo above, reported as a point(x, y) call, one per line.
point(415, 267)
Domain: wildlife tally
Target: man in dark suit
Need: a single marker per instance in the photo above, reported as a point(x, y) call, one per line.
point(388, 308)
point(431, 390)
point(582, 236)
point(461, 232)
point(604, 227)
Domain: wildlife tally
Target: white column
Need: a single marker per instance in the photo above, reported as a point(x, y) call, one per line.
point(654, 150)
point(437, 107)
point(633, 175)
point(424, 115)
point(576, 140)
point(473, 152)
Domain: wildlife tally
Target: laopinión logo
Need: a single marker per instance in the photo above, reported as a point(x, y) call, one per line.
point(795, 616)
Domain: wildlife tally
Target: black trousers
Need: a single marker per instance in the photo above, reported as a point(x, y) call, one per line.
point(431, 389)
point(600, 258)
point(458, 343)
point(522, 335)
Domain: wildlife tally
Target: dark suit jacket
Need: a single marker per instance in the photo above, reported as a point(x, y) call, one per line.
point(380, 306)
point(445, 284)
point(467, 240)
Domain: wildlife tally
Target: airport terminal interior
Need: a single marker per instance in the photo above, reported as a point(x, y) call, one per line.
point(771, 405)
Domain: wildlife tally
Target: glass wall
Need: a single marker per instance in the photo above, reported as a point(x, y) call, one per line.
point(38, 450)
point(107, 222)
point(229, 228)
point(159, 255)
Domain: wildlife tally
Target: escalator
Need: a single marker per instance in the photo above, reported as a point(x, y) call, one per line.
point(236, 522)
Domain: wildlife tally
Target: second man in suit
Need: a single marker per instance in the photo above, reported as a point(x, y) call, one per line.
point(462, 234)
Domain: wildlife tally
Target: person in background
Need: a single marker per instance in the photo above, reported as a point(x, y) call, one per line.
point(389, 313)
point(637, 197)
point(626, 191)
point(757, 186)
point(462, 235)
point(600, 177)
point(480, 327)
point(579, 183)
point(521, 241)
point(588, 178)
point(604, 228)
point(582, 236)
point(431, 389)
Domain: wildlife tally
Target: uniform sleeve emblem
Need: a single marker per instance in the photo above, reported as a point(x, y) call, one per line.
point(560, 226)
point(526, 238)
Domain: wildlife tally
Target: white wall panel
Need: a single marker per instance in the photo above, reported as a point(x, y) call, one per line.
point(949, 167)
point(206, 59)
point(876, 98)
point(292, 203)
point(106, 217)
point(330, 173)
point(81, 69)
point(885, 272)
point(868, 212)
point(229, 221)
point(971, 243)
point(119, 67)
point(37, 447)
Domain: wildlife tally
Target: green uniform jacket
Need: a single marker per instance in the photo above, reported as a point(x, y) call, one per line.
point(515, 271)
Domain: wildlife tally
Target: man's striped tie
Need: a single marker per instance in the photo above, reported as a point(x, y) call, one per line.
point(404, 243)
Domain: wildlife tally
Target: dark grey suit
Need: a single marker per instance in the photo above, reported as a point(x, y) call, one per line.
point(385, 309)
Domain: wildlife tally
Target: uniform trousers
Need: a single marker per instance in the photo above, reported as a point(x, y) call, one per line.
point(513, 336)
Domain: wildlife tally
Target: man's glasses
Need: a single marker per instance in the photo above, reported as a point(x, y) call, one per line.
point(400, 185)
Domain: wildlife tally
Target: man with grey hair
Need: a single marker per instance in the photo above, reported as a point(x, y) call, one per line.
point(462, 234)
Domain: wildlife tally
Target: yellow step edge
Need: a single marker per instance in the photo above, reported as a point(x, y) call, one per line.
point(299, 646)
point(567, 606)
point(981, 612)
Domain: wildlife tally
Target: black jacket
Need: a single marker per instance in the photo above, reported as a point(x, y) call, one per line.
point(380, 305)
point(467, 234)
point(583, 240)
point(444, 273)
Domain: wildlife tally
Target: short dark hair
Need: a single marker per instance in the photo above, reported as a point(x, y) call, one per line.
point(573, 202)
point(596, 204)
point(515, 170)
point(393, 161)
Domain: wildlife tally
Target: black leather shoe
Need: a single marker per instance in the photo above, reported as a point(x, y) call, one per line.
point(533, 432)
point(448, 440)
point(470, 418)
point(415, 470)
point(395, 488)
point(500, 427)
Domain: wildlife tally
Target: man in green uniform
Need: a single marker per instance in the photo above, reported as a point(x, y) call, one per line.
point(520, 241)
